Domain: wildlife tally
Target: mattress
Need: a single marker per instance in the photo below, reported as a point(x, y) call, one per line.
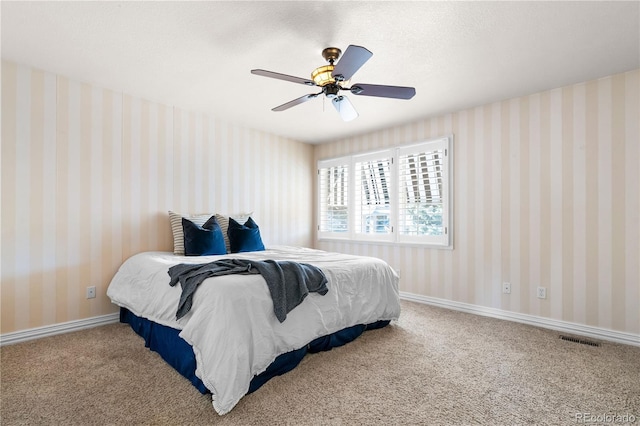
point(232, 328)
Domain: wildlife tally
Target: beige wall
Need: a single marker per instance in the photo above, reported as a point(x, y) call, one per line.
point(88, 176)
point(546, 194)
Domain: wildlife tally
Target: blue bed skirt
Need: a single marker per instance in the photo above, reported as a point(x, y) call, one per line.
point(179, 354)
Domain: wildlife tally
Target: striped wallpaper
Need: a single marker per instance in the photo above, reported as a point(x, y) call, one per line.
point(88, 175)
point(546, 193)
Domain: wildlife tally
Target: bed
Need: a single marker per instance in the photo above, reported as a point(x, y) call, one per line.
point(230, 342)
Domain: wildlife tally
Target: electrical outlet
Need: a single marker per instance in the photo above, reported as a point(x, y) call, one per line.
point(506, 288)
point(542, 292)
point(91, 292)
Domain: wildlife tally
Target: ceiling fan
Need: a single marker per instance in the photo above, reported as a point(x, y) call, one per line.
point(334, 78)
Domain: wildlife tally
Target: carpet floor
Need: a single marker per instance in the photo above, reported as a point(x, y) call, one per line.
point(431, 367)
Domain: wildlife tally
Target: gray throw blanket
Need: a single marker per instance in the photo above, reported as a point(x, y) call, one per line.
point(288, 282)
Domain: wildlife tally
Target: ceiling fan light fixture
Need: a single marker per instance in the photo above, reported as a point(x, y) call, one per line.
point(322, 75)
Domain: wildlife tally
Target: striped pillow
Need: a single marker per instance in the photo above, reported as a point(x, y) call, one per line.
point(178, 233)
point(223, 221)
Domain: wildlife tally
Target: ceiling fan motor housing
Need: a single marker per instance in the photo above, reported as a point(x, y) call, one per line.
point(331, 90)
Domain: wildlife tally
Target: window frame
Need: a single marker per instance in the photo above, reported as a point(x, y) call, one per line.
point(444, 241)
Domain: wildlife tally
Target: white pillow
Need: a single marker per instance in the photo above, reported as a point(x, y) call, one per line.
point(223, 221)
point(178, 232)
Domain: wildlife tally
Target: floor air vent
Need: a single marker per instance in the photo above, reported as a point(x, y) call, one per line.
point(581, 341)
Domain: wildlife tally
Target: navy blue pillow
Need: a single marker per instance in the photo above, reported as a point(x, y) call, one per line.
point(245, 237)
point(205, 240)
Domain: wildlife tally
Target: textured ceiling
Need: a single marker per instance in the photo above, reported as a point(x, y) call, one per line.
point(198, 55)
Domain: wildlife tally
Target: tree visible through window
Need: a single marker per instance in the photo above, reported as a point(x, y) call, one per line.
point(421, 203)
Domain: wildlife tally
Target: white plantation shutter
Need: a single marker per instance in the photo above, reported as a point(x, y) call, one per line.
point(399, 195)
point(372, 194)
point(423, 177)
point(333, 197)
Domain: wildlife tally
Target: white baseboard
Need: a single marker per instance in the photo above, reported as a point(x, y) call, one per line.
point(553, 324)
point(51, 330)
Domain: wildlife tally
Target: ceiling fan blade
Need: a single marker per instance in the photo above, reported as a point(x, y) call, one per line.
point(398, 92)
point(295, 102)
point(284, 77)
point(344, 108)
point(352, 59)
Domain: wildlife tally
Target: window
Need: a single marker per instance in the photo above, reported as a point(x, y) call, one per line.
point(372, 202)
point(399, 195)
point(422, 208)
point(332, 187)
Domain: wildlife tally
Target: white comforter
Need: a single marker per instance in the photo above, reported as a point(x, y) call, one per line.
point(232, 327)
